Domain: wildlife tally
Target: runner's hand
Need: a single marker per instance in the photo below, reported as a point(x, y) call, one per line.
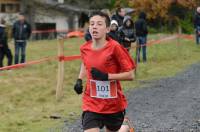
point(78, 87)
point(97, 74)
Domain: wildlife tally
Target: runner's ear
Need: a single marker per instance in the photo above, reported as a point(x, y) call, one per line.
point(108, 29)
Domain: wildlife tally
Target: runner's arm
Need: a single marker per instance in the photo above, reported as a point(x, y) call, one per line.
point(82, 73)
point(122, 76)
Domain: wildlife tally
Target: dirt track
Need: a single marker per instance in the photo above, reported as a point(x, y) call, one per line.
point(166, 105)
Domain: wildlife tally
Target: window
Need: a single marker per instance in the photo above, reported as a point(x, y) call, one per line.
point(9, 8)
point(3, 8)
point(17, 7)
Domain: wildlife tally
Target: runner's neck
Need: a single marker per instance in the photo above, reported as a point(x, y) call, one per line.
point(99, 43)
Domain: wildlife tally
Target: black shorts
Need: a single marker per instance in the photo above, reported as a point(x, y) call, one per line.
point(112, 122)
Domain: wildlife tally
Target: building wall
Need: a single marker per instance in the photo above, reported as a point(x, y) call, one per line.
point(43, 15)
point(39, 14)
point(9, 1)
point(9, 6)
point(51, 16)
point(9, 10)
point(61, 22)
point(9, 17)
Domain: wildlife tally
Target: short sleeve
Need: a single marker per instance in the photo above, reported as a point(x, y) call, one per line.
point(83, 49)
point(124, 59)
point(81, 52)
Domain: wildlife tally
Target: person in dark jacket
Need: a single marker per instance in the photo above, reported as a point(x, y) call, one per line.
point(114, 31)
point(141, 35)
point(197, 25)
point(127, 33)
point(4, 49)
point(119, 16)
point(21, 33)
point(87, 36)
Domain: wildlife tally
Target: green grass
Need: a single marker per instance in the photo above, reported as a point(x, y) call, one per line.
point(27, 96)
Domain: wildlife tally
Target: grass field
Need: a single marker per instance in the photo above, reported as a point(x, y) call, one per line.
point(27, 96)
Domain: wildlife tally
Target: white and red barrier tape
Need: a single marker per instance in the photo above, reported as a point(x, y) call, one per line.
point(75, 57)
point(60, 58)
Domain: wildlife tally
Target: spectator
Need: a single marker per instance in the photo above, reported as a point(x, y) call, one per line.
point(127, 33)
point(197, 25)
point(141, 35)
point(119, 16)
point(21, 32)
point(114, 30)
point(4, 49)
point(87, 36)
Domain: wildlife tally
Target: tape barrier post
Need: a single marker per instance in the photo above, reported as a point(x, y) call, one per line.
point(60, 77)
point(178, 40)
point(136, 56)
point(179, 34)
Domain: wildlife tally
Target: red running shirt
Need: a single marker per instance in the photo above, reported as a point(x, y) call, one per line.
point(112, 58)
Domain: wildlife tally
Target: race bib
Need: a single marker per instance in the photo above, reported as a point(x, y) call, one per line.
point(103, 89)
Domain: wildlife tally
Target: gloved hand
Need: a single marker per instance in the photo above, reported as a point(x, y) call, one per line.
point(97, 74)
point(78, 87)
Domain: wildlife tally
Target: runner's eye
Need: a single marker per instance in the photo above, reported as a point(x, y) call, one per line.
point(92, 24)
point(100, 23)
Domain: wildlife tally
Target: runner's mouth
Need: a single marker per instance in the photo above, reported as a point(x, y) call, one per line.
point(94, 33)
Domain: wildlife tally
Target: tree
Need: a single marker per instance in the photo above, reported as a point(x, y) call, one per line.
point(171, 12)
point(91, 4)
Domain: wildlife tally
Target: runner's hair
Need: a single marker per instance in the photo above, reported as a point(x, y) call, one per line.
point(104, 15)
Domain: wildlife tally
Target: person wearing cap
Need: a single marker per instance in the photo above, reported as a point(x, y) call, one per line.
point(114, 30)
point(127, 33)
point(4, 49)
point(197, 25)
point(21, 33)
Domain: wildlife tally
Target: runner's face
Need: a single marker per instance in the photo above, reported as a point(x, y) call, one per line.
point(97, 27)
